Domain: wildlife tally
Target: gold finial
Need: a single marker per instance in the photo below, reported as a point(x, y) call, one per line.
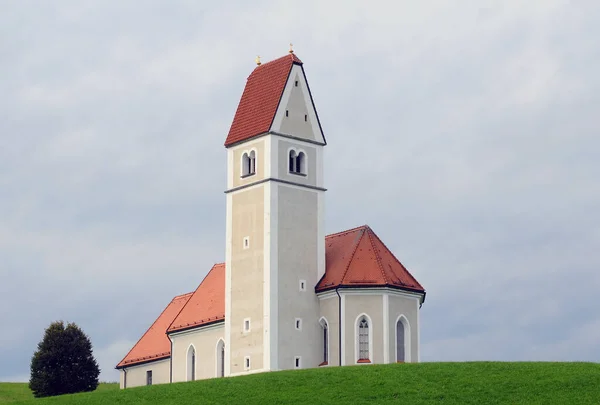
point(257, 60)
point(291, 50)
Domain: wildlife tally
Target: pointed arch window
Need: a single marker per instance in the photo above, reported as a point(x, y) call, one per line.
point(363, 338)
point(402, 340)
point(221, 359)
point(191, 363)
point(248, 163)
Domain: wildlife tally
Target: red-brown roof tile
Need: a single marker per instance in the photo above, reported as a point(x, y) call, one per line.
point(207, 304)
point(155, 344)
point(358, 257)
point(260, 99)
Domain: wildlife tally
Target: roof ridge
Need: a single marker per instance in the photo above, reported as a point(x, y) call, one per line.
point(346, 231)
point(147, 330)
point(352, 256)
point(292, 56)
point(182, 295)
point(377, 256)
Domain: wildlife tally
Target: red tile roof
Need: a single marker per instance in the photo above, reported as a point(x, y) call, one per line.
point(260, 99)
point(154, 344)
point(358, 258)
point(354, 258)
point(207, 304)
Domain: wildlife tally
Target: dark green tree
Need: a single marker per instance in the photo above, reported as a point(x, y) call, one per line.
point(63, 362)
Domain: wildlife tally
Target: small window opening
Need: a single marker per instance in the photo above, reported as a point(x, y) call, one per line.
point(297, 362)
point(246, 325)
point(287, 113)
point(149, 377)
point(246, 242)
point(298, 324)
point(296, 83)
point(302, 285)
point(305, 117)
point(247, 363)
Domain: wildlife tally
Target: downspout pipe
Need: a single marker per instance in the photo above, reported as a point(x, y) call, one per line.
point(171, 361)
point(124, 378)
point(339, 324)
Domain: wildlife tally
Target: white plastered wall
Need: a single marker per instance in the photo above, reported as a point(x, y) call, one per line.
point(205, 342)
point(329, 304)
point(356, 304)
point(406, 306)
point(136, 375)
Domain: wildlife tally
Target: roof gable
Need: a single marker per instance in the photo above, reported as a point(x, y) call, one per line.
point(207, 303)
point(260, 99)
point(296, 114)
point(154, 344)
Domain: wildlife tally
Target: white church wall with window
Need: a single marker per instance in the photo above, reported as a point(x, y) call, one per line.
point(239, 166)
point(356, 304)
point(203, 341)
point(136, 375)
point(404, 306)
point(296, 250)
point(330, 313)
point(308, 166)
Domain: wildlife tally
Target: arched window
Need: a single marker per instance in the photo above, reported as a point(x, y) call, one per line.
point(402, 340)
point(248, 163)
point(301, 163)
point(221, 358)
point(297, 162)
point(363, 340)
point(252, 162)
point(292, 161)
point(325, 334)
point(191, 363)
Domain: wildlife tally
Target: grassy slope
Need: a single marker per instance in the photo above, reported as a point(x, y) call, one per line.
point(426, 383)
point(20, 393)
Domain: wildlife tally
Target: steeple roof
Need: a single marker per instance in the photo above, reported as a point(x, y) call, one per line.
point(260, 99)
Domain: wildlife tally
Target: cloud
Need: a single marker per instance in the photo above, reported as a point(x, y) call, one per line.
point(463, 134)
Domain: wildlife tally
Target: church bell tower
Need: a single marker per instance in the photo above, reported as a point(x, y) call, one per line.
point(275, 240)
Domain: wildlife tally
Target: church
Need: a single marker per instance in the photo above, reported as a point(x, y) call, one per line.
point(287, 296)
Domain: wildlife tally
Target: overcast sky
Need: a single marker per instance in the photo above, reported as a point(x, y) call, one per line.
point(465, 133)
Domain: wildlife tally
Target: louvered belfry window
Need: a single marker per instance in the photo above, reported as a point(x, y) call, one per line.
point(363, 339)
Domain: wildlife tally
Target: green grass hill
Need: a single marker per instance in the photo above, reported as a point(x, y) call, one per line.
point(424, 383)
